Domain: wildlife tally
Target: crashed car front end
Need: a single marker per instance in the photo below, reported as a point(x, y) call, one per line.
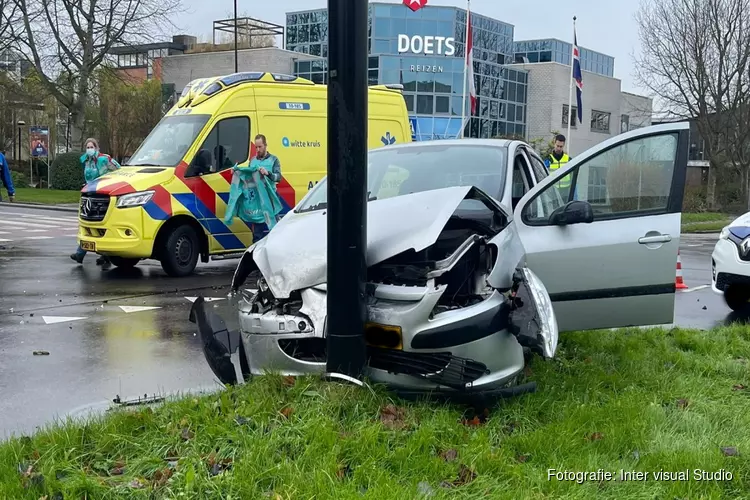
point(449, 308)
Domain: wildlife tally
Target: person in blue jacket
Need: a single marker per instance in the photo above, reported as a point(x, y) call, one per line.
point(7, 179)
point(95, 164)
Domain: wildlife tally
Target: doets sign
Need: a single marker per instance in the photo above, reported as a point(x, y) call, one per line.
point(429, 45)
point(415, 5)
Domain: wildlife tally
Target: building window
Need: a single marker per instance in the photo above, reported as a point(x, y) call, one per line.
point(573, 117)
point(600, 121)
point(624, 123)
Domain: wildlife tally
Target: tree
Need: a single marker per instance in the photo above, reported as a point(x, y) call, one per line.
point(67, 41)
point(127, 112)
point(695, 58)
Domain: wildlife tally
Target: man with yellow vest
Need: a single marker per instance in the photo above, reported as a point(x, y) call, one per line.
point(557, 159)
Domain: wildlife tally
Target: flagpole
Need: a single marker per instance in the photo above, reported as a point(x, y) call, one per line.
point(570, 93)
point(466, 66)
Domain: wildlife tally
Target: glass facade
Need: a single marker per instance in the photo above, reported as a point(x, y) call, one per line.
point(424, 52)
point(553, 50)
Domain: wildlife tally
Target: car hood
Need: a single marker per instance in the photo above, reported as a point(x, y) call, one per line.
point(129, 180)
point(293, 256)
point(740, 227)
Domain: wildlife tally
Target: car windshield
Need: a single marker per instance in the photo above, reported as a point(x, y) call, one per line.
point(399, 171)
point(168, 142)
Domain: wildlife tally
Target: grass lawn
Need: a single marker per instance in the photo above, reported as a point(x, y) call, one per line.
point(705, 221)
point(46, 196)
point(638, 400)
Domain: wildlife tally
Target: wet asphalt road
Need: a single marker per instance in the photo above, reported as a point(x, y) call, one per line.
point(114, 332)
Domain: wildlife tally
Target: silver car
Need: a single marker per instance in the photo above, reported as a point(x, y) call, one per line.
point(475, 256)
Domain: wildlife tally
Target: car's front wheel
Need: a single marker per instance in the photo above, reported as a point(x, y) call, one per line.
point(737, 297)
point(181, 251)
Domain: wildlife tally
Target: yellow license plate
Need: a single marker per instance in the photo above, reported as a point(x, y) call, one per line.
point(89, 246)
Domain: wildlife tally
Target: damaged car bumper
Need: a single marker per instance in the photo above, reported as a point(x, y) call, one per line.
point(452, 313)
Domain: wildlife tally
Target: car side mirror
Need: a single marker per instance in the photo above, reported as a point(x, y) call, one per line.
point(573, 212)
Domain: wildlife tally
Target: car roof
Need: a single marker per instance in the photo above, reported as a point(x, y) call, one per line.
point(497, 143)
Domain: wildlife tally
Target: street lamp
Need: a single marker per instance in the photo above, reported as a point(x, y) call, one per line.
point(20, 123)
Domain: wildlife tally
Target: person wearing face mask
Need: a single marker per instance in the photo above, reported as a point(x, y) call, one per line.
point(95, 164)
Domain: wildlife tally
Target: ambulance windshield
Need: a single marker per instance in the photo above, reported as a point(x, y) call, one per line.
point(168, 142)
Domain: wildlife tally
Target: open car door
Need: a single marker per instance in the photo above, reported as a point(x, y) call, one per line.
point(606, 246)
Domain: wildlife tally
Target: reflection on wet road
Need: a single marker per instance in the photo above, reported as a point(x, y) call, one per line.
point(108, 332)
point(126, 333)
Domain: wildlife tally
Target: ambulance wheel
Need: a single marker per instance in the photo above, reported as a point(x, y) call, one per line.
point(181, 251)
point(124, 262)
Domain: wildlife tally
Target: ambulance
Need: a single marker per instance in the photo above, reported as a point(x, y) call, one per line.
point(169, 200)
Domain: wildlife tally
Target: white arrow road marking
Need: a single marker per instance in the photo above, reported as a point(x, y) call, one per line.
point(696, 288)
point(135, 309)
point(207, 299)
point(51, 320)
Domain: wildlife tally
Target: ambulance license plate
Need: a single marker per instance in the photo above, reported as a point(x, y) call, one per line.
point(89, 246)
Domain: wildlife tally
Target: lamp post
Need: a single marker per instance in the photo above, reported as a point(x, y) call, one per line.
point(347, 187)
point(20, 124)
point(236, 64)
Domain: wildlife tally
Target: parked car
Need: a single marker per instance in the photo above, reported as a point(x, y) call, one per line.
point(474, 252)
point(730, 263)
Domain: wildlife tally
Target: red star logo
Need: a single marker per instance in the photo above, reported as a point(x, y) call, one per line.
point(415, 5)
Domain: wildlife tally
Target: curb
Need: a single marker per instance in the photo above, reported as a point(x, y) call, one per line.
point(40, 206)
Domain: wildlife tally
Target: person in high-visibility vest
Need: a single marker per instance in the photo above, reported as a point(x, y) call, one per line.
point(557, 159)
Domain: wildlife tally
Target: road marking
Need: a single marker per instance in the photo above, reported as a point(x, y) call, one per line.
point(133, 309)
point(24, 224)
point(61, 219)
point(51, 320)
point(39, 238)
point(696, 288)
point(4, 232)
point(36, 230)
point(207, 299)
point(38, 216)
point(4, 241)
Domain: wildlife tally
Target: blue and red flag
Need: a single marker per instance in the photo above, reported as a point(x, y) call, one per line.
point(577, 76)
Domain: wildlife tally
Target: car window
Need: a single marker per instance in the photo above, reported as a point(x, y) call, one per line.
point(412, 169)
point(537, 165)
point(226, 145)
point(628, 180)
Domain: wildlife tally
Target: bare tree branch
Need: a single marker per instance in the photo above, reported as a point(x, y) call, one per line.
point(67, 40)
point(695, 60)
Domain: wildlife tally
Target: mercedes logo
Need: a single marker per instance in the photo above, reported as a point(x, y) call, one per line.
point(85, 206)
point(745, 246)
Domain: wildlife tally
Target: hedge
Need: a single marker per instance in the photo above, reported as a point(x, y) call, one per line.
point(67, 172)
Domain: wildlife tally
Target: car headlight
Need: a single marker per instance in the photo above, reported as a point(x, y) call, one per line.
point(547, 318)
point(724, 235)
point(134, 199)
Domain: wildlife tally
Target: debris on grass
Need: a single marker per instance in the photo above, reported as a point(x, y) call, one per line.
point(730, 451)
point(287, 411)
point(595, 436)
point(449, 455)
point(682, 403)
point(393, 417)
point(186, 434)
point(474, 419)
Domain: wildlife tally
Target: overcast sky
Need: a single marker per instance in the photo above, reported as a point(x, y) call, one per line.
point(607, 27)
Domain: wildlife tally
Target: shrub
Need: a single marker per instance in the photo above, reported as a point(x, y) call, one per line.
point(66, 172)
point(19, 180)
point(694, 200)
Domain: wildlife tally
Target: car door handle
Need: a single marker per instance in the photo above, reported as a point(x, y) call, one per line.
point(660, 238)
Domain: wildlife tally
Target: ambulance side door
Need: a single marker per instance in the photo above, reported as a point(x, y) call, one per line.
point(228, 143)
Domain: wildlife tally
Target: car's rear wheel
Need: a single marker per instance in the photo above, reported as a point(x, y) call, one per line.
point(181, 251)
point(124, 262)
point(737, 297)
